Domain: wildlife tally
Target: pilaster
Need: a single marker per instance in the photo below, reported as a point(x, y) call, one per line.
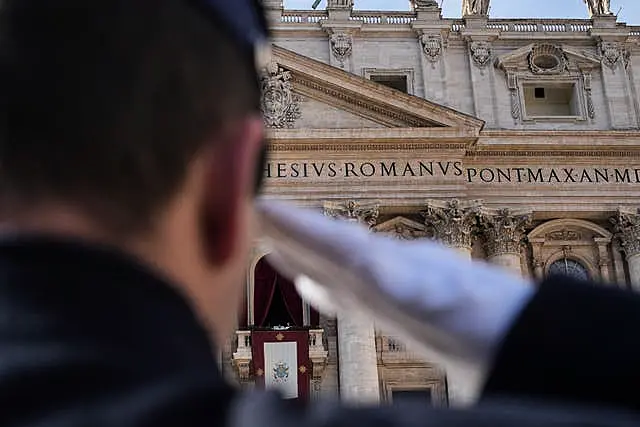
point(480, 38)
point(614, 55)
point(273, 9)
point(433, 35)
point(627, 229)
point(341, 30)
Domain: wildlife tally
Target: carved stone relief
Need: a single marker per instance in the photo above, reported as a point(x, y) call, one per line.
point(591, 109)
point(341, 46)
point(402, 228)
point(612, 54)
point(453, 223)
point(547, 59)
point(627, 230)
point(503, 231)
point(564, 236)
point(280, 106)
point(598, 7)
point(512, 83)
point(423, 4)
point(481, 53)
point(432, 47)
point(475, 7)
point(353, 211)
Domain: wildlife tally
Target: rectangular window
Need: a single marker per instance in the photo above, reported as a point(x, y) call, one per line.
point(398, 82)
point(552, 100)
point(423, 396)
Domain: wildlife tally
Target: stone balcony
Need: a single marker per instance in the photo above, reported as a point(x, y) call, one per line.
point(242, 356)
point(292, 19)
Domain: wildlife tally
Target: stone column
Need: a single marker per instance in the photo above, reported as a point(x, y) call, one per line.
point(503, 233)
point(454, 224)
point(358, 361)
point(627, 228)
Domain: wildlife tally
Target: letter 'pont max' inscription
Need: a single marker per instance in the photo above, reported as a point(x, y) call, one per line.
point(425, 170)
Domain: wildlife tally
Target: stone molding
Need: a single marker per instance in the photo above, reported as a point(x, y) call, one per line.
point(454, 223)
point(503, 230)
point(369, 97)
point(402, 229)
point(627, 231)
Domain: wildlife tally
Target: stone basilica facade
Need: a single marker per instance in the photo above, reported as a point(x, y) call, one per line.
point(514, 141)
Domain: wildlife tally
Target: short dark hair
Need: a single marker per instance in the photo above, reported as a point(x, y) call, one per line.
point(103, 104)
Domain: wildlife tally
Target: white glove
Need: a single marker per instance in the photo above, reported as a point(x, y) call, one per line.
point(455, 310)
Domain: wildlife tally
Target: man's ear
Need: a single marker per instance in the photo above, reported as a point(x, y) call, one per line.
point(229, 187)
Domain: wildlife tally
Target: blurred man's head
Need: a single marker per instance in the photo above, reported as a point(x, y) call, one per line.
point(135, 123)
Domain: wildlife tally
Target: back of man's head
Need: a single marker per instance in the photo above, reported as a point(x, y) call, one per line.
point(105, 103)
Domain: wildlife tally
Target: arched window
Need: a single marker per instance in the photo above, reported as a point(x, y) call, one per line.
point(570, 268)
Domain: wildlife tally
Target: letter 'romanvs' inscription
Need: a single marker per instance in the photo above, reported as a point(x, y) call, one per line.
point(425, 170)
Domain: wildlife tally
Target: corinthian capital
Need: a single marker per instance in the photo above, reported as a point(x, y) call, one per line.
point(503, 230)
point(353, 211)
point(627, 230)
point(453, 223)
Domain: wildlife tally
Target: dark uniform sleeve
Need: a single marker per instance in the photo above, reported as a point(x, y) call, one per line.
point(575, 342)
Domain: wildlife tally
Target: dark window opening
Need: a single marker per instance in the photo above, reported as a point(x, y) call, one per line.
point(397, 82)
point(276, 301)
point(423, 396)
point(278, 315)
point(539, 93)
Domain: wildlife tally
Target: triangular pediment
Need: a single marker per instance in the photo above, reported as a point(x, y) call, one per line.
point(524, 59)
point(358, 102)
point(402, 228)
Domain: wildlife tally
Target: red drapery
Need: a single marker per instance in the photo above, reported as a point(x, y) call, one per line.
point(301, 338)
point(292, 300)
point(269, 284)
point(264, 290)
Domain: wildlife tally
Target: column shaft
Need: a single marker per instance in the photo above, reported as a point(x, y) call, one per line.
point(359, 383)
point(634, 271)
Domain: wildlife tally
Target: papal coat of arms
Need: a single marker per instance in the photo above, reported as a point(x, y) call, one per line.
point(280, 106)
point(481, 53)
point(432, 46)
point(280, 372)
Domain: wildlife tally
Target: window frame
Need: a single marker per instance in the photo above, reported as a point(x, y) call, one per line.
point(409, 73)
point(547, 83)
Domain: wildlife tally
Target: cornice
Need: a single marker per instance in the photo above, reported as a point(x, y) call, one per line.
point(276, 147)
point(354, 103)
point(554, 153)
point(564, 133)
point(366, 95)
